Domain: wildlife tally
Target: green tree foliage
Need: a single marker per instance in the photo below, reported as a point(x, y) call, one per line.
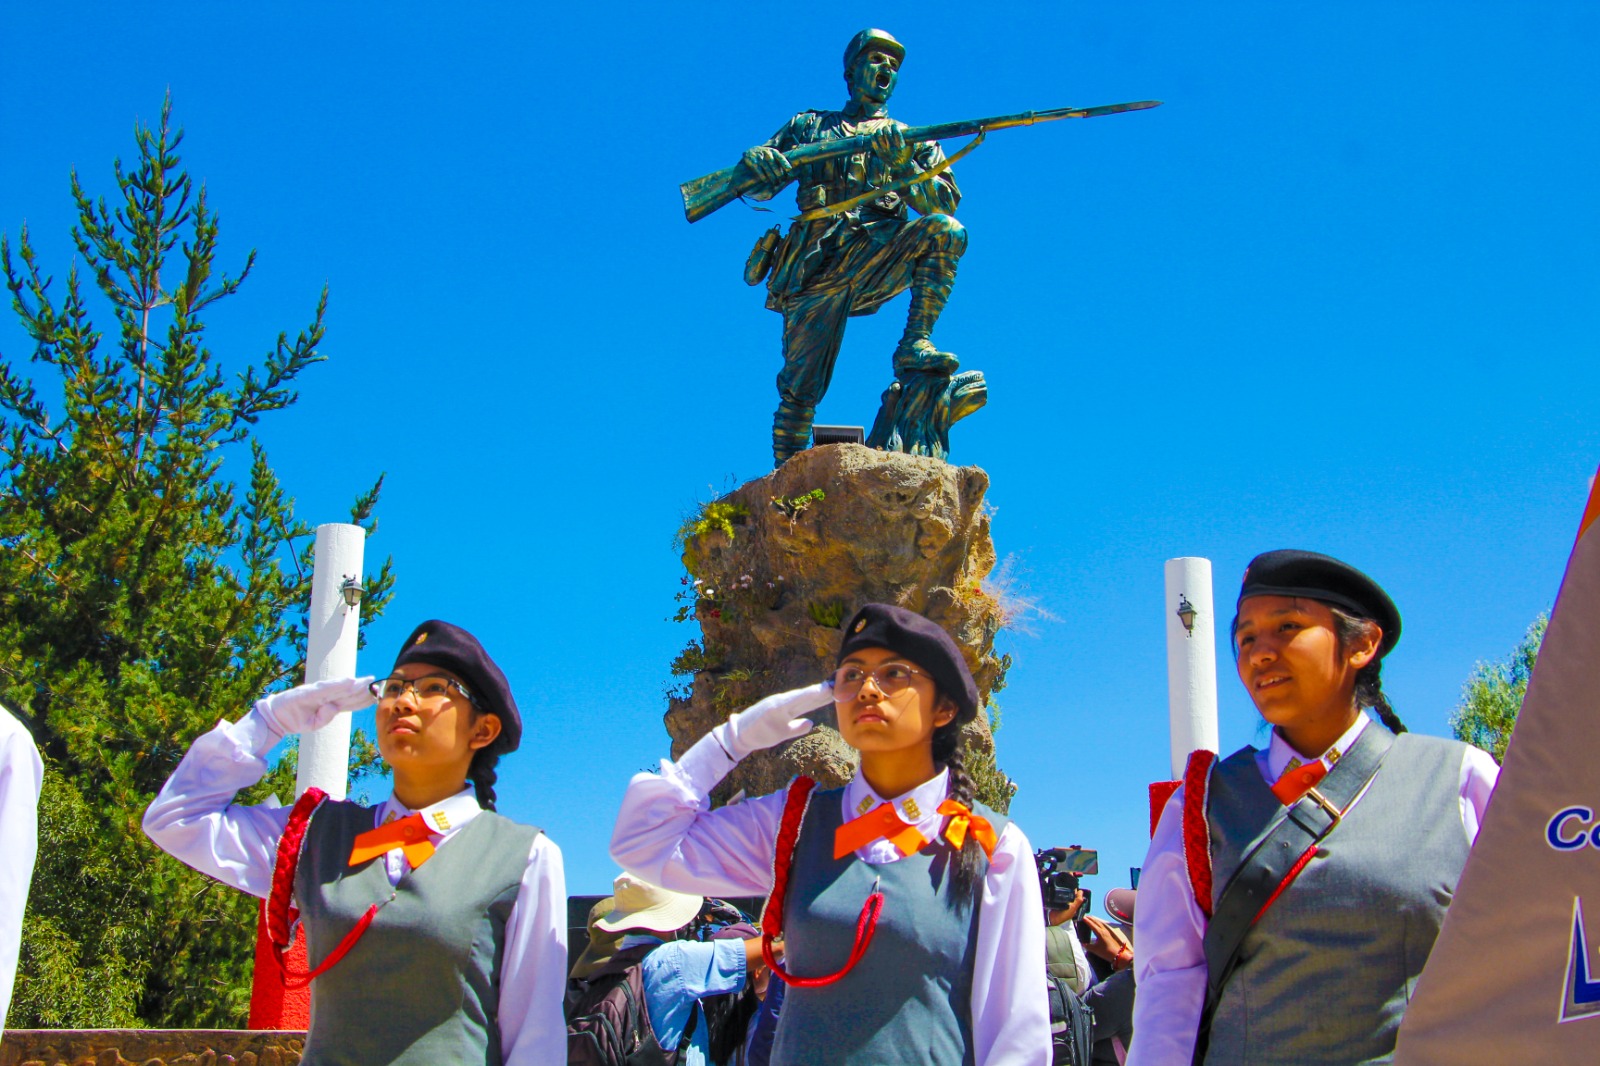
point(143, 595)
point(1493, 694)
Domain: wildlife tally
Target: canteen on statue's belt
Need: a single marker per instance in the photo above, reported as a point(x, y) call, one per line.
point(760, 261)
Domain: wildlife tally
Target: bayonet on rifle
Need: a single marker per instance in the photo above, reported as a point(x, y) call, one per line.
point(718, 189)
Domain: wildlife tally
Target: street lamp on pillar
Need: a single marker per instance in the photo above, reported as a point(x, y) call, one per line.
point(1186, 613)
point(351, 592)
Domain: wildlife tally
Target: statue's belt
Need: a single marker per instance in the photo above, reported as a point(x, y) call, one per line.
point(812, 197)
point(811, 212)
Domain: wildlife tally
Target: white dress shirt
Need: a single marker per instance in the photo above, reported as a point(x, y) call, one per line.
point(21, 773)
point(195, 820)
point(1169, 959)
point(668, 834)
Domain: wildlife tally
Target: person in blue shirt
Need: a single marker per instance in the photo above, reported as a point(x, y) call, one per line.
point(678, 974)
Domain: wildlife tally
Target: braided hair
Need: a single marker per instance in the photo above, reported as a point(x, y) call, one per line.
point(483, 775)
point(1369, 681)
point(481, 772)
point(949, 751)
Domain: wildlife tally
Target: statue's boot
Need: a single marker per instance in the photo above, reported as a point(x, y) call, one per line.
point(791, 430)
point(931, 281)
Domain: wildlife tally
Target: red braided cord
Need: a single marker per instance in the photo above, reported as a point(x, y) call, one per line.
point(280, 915)
point(1288, 879)
point(794, 811)
point(866, 925)
point(1197, 827)
point(294, 979)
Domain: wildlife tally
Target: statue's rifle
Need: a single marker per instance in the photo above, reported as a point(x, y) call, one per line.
point(706, 194)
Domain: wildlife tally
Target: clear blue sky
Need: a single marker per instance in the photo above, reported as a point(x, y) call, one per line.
point(1339, 293)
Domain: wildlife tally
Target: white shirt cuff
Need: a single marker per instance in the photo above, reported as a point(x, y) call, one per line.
point(704, 765)
point(253, 734)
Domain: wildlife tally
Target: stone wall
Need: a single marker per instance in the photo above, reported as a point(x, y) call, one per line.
point(150, 1047)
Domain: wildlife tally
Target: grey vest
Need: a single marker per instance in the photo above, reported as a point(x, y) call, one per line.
point(909, 999)
point(1324, 977)
point(1059, 958)
point(422, 985)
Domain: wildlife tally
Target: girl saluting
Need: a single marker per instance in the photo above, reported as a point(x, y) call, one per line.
point(1291, 896)
point(910, 915)
point(435, 928)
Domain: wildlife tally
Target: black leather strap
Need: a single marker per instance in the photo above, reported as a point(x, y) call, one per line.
point(1302, 826)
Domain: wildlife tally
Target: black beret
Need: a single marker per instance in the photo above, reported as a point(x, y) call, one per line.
point(449, 646)
point(925, 643)
point(1288, 572)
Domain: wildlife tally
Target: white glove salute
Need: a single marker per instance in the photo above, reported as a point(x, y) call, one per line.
point(772, 721)
point(310, 707)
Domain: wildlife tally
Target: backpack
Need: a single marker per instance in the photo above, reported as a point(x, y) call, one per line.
point(607, 1022)
point(1071, 1025)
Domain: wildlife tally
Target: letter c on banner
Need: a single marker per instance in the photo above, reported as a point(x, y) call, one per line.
point(1553, 834)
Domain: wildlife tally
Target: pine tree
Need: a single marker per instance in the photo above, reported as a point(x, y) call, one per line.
point(143, 595)
point(1493, 694)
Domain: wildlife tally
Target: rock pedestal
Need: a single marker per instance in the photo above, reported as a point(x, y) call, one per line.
point(779, 564)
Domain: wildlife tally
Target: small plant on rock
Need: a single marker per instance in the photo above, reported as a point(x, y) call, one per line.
point(718, 516)
point(828, 613)
point(794, 507)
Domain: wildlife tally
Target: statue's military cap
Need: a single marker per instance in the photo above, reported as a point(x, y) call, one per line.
point(924, 642)
point(868, 39)
point(452, 648)
point(1289, 572)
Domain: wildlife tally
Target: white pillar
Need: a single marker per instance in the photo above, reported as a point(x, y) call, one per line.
point(1191, 660)
point(331, 652)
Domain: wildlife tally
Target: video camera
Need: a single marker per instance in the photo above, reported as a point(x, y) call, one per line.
point(1061, 871)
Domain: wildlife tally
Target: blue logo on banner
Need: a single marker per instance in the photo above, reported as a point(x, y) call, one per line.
point(1582, 998)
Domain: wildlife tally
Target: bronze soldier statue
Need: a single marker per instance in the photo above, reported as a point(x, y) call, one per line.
point(827, 268)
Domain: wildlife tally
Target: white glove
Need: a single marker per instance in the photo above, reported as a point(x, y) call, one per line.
point(772, 721)
point(310, 707)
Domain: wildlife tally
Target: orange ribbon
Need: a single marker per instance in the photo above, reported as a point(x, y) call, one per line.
point(961, 820)
point(1297, 782)
point(880, 823)
point(410, 833)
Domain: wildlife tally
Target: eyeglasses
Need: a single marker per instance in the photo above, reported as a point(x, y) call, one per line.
point(891, 679)
point(429, 688)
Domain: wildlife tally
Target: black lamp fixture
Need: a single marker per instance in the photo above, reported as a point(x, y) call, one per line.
point(1186, 613)
point(351, 592)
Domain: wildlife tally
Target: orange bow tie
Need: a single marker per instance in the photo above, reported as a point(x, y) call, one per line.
point(961, 821)
point(409, 833)
point(880, 823)
point(1297, 782)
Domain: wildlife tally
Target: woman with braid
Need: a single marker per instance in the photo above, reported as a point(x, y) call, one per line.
point(435, 929)
point(1291, 895)
point(908, 914)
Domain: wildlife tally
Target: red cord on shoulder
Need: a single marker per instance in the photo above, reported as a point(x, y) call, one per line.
point(794, 812)
point(1197, 826)
point(280, 914)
